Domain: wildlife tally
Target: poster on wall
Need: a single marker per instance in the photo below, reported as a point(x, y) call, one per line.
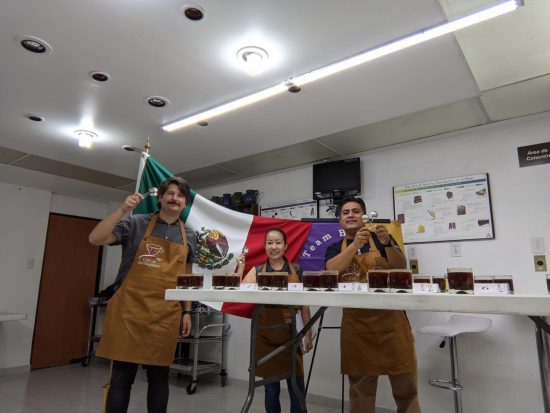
point(454, 209)
point(290, 209)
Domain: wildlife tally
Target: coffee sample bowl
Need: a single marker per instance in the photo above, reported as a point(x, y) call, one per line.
point(218, 281)
point(461, 280)
point(311, 280)
point(264, 280)
point(279, 281)
point(190, 281)
point(378, 281)
point(329, 280)
point(401, 281)
point(232, 281)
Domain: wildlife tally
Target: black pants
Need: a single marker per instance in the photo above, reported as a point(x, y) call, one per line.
point(122, 378)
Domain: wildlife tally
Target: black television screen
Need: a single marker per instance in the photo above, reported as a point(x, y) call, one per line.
point(335, 179)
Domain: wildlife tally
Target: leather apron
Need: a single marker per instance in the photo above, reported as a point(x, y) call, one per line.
point(375, 342)
point(140, 325)
point(268, 340)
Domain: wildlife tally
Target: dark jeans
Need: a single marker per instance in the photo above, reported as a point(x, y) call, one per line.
point(272, 392)
point(122, 378)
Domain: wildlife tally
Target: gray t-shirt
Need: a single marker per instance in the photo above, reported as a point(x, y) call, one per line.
point(129, 232)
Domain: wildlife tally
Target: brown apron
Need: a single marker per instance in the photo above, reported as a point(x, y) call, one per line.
point(140, 325)
point(375, 342)
point(268, 340)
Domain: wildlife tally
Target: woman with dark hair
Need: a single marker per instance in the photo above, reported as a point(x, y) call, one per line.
point(268, 340)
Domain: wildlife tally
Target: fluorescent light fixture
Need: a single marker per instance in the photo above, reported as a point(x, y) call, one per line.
point(389, 48)
point(227, 107)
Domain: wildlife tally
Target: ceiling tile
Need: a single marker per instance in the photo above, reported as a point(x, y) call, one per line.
point(287, 157)
point(8, 155)
point(430, 122)
point(131, 187)
point(38, 163)
point(209, 175)
point(508, 49)
point(520, 99)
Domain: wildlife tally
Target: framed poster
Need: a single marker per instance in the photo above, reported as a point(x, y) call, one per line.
point(454, 209)
point(290, 209)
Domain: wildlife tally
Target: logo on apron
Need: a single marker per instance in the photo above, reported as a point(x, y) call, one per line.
point(213, 248)
point(151, 259)
point(353, 268)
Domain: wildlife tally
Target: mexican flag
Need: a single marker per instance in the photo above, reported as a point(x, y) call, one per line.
point(223, 233)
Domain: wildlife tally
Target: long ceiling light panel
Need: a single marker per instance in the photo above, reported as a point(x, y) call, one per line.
point(389, 48)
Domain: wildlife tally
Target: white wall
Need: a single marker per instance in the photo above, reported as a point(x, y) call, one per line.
point(24, 221)
point(24, 214)
point(499, 368)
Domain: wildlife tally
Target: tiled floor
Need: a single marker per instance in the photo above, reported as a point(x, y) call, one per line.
point(75, 389)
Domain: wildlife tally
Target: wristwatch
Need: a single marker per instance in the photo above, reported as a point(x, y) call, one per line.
point(186, 312)
point(390, 244)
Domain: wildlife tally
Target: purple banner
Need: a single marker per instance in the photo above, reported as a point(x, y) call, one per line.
point(321, 236)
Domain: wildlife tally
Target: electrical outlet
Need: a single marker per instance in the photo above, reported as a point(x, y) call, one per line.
point(456, 249)
point(540, 263)
point(537, 245)
point(413, 265)
point(411, 252)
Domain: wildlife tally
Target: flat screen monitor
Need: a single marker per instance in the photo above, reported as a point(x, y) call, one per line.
point(336, 179)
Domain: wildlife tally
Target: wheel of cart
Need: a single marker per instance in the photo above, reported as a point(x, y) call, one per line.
point(191, 387)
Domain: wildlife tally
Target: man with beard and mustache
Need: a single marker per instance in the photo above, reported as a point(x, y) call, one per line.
point(140, 326)
point(373, 343)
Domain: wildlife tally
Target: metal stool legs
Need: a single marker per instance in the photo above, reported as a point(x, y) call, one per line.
point(454, 383)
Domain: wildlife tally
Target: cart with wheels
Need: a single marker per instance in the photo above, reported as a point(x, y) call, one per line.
point(208, 326)
point(97, 306)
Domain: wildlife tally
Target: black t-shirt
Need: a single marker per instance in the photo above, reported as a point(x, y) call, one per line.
point(286, 268)
point(336, 248)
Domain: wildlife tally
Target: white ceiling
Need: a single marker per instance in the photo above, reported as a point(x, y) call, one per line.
point(496, 70)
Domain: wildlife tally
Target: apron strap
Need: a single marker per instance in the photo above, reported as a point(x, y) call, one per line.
point(151, 225)
point(183, 236)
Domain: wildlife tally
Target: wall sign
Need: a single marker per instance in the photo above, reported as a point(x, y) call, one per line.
point(534, 154)
point(454, 209)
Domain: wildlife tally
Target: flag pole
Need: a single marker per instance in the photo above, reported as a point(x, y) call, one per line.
point(147, 144)
point(142, 160)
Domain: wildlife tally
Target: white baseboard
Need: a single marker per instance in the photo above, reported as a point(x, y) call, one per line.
point(8, 371)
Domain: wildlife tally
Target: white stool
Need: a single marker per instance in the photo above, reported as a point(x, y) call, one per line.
point(458, 324)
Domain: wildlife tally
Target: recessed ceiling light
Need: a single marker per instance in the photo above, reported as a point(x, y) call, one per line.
point(34, 118)
point(85, 138)
point(34, 44)
point(253, 58)
point(157, 101)
point(100, 76)
point(293, 88)
point(193, 12)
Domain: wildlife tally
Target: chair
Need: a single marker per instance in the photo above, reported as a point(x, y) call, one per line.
point(457, 325)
